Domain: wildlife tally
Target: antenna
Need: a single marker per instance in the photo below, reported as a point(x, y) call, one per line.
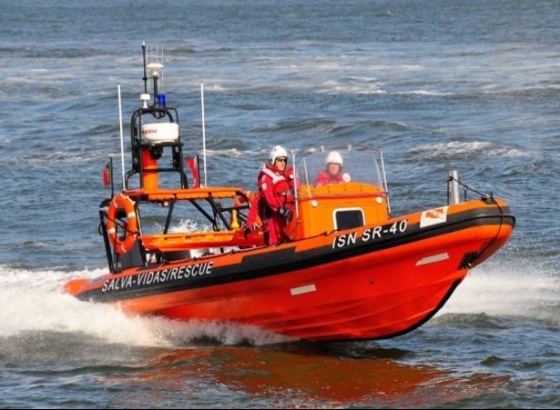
point(145, 75)
point(203, 131)
point(161, 59)
point(121, 135)
point(145, 96)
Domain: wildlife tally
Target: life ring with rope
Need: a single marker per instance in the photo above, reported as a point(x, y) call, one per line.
point(125, 244)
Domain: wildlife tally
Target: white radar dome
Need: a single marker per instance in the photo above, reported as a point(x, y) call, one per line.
point(160, 132)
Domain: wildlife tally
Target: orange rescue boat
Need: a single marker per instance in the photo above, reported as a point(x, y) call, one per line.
point(350, 270)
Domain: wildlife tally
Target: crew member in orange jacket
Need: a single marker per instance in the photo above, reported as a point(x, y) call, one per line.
point(275, 199)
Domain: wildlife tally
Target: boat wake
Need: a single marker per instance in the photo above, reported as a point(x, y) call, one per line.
point(499, 290)
point(33, 303)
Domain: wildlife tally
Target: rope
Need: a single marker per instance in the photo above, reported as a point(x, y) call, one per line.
point(487, 196)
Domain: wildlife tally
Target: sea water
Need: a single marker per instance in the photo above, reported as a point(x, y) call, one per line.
point(437, 85)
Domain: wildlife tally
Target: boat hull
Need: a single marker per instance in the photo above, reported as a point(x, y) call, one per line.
point(371, 282)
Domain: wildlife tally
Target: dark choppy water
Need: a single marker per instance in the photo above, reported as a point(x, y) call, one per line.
point(439, 85)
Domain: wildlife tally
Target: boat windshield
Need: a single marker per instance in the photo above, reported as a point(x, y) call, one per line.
point(338, 163)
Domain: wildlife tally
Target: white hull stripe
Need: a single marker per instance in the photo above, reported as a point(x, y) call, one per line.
point(432, 259)
point(303, 289)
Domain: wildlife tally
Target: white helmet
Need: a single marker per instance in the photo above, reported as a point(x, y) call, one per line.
point(277, 152)
point(334, 157)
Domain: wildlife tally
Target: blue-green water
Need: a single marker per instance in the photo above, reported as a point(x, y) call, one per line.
point(438, 85)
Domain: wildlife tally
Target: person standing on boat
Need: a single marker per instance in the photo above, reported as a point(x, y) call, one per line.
point(275, 199)
point(333, 173)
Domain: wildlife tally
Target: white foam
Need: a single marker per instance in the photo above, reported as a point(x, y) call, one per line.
point(507, 290)
point(34, 301)
point(468, 147)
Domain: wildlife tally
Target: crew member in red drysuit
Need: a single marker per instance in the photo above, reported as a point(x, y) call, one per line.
point(275, 200)
point(333, 173)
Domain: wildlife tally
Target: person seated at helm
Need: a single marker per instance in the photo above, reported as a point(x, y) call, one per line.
point(275, 199)
point(332, 174)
